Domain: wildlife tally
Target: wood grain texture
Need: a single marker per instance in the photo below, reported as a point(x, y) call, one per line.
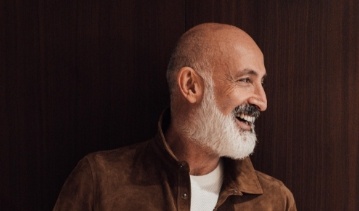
point(76, 77)
point(309, 135)
point(79, 76)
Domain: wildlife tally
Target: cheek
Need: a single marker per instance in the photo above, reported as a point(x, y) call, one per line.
point(229, 95)
point(227, 100)
point(234, 99)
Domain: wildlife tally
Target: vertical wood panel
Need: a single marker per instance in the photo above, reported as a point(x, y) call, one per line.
point(311, 119)
point(77, 76)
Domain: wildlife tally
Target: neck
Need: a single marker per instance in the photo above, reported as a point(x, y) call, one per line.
point(201, 160)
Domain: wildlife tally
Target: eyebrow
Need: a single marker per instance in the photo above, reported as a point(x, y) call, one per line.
point(251, 72)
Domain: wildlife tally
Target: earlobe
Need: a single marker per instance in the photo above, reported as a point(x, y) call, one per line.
point(189, 84)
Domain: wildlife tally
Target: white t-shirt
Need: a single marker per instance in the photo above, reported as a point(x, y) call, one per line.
point(205, 189)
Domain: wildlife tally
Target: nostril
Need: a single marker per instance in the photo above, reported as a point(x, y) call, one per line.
point(255, 107)
point(259, 102)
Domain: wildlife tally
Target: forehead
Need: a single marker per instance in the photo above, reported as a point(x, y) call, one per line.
point(237, 60)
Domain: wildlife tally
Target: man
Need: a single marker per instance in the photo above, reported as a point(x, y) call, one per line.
point(199, 158)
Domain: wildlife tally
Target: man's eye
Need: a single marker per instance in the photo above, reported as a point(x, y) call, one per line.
point(245, 80)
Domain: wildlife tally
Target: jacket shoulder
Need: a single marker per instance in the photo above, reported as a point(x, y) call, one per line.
point(115, 159)
point(276, 191)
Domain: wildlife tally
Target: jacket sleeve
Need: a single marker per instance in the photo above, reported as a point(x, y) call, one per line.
point(77, 192)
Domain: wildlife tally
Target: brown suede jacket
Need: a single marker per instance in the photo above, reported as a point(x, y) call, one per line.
point(147, 176)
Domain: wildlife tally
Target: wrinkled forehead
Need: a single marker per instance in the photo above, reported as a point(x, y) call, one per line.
point(236, 55)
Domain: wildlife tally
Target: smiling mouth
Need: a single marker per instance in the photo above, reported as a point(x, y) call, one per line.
point(246, 114)
point(247, 119)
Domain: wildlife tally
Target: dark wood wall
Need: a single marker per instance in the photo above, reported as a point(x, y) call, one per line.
point(78, 76)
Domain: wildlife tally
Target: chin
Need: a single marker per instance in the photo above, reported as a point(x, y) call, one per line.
point(238, 148)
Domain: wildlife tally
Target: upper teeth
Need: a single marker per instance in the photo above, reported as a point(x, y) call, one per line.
point(247, 118)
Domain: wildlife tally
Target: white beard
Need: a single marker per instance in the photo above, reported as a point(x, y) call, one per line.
point(219, 133)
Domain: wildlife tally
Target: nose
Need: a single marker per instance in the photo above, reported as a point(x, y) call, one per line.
point(259, 98)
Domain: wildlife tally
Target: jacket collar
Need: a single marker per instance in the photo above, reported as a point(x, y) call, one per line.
point(239, 175)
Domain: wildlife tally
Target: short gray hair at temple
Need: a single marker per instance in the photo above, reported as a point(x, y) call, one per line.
point(196, 50)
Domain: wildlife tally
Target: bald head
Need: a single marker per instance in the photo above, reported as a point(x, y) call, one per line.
point(205, 46)
point(216, 32)
point(215, 72)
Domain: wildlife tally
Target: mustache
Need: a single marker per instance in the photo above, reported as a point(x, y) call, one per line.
point(247, 109)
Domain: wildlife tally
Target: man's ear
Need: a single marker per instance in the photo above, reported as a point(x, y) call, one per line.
point(190, 84)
